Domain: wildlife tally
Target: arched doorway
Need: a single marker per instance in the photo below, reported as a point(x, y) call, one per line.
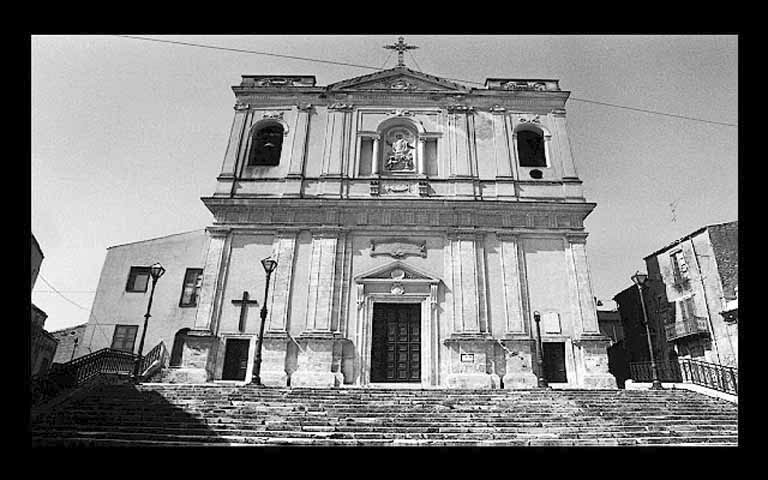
point(178, 347)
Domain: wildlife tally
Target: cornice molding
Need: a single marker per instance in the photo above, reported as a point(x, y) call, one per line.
point(456, 216)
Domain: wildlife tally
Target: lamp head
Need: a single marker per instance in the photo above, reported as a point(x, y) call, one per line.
point(639, 278)
point(536, 316)
point(269, 264)
point(156, 271)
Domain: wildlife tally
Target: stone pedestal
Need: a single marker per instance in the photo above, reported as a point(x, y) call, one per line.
point(469, 362)
point(315, 361)
point(520, 355)
point(198, 358)
point(594, 361)
point(273, 352)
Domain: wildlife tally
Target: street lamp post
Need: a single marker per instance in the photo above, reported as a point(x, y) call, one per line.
point(269, 265)
point(639, 279)
point(540, 352)
point(155, 271)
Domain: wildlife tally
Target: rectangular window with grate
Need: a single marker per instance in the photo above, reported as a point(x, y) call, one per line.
point(190, 289)
point(124, 337)
point(138, 278)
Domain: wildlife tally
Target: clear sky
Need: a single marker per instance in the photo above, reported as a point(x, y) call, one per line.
point(127, 135)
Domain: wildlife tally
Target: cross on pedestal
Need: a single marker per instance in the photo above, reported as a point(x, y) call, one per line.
point(244, 302)
point(401, 47)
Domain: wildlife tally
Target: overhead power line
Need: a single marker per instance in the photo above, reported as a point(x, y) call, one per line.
point(61, 294)
point(369, 67)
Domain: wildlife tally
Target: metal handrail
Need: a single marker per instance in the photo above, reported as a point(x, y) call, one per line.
point(156, 354)
point(643, 371)
point(711, 375)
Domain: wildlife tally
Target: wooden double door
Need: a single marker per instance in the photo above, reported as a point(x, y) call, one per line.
point(396, 343)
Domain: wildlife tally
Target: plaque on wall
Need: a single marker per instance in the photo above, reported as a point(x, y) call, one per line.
point(398, 247)
point(467, 358)
point(551, 322)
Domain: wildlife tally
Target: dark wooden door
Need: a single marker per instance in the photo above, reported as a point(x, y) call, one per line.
point(235, 359)
point(554, 362)
point(396, 343)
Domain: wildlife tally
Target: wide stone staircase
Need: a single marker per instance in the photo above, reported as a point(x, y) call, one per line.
point(216, 415)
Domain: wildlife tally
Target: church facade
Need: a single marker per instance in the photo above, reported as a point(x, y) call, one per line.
point(417, 225)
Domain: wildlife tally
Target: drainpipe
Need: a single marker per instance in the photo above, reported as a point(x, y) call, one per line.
point(706, 302)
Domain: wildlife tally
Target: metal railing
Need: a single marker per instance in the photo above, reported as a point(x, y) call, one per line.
point(710, 375)
point(691, 326)
point(67, 376)
point(157, 354)
point(668, 371)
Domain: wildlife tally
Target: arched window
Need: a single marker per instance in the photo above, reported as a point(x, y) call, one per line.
point(530, 148)
point(266, 146)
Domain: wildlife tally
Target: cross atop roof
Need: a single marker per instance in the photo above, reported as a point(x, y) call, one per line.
point(401, 47)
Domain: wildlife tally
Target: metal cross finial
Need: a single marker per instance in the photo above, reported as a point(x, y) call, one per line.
point(401, 47)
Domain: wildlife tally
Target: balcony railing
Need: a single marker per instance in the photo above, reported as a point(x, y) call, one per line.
point(691, 326)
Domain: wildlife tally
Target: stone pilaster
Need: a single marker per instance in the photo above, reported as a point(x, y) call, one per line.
point(335, 134)
point(200, 345)
point(214, 273)
point(591, 345)
point(520, 356)
point(501, 153)
point(458, 143)
point(316, 343)
point(281, 288)
point(563, 148)
point(470, 362)
point(512, 289)
point(235, 143)
point(470, 347)
point(587, 311)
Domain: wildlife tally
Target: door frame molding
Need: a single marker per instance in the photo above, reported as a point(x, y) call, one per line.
point(428, 334)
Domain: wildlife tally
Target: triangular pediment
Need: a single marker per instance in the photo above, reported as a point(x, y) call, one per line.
point(396, 271)
point(398, 79)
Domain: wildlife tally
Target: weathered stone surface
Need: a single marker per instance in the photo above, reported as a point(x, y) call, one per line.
point(185, 415)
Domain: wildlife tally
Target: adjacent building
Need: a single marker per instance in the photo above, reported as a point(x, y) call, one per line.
point(417, 224)
point(691, 298)
point(69, 341)
point(42, 344)
point(697, 278)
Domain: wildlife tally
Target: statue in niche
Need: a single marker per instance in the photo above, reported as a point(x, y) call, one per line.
point(400, 154)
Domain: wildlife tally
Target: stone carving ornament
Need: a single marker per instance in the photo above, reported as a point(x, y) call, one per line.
point(401, 85)
point(398, 248)
point(513, 85)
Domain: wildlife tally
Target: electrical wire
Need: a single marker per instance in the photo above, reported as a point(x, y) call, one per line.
point(385, 61)
point(414, 61)
point(317, 60)
point(61, 294)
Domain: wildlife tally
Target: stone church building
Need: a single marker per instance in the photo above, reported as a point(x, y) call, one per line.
point(417, 224)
